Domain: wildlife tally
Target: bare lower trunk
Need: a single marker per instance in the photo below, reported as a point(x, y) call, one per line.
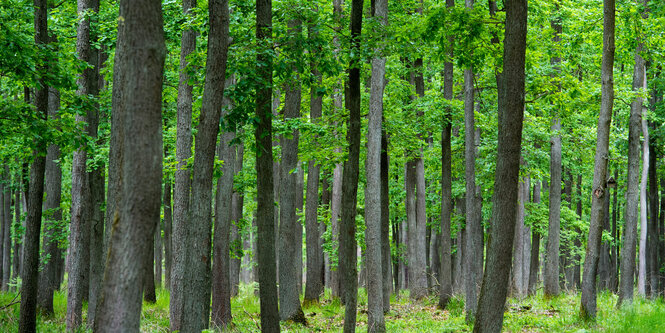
point(168, 234)
point(642, 272)
point(588, 301)
point(535, 247)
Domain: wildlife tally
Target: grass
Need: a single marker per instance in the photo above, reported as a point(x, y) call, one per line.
point(533, 314)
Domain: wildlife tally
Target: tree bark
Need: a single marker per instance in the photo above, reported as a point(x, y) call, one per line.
point(158, 256)
point(588, 301)
point(289, 301)
point(642, 272)
point(511, 114)
point(6, 222)
point(149, 294)
point(314, 251)
point(535, 247)
point(236, 240)
point(168, 234)
point(551, 276)
point(373, 209)
point(265, 218)
point(221, 278)
point(655, 231)
point(183, 181)
point(29, 271)
point(140, 55)
point(386, 257)
point(347, 229)
point(627, 268)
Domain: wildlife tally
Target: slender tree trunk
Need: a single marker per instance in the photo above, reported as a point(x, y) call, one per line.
point(149, 294)
point(642, 272)
point(140, 54)
point(535, 247)
point(197, 281)
point(578, 242)
point(221, 278)
point(29, 271)
point(655, 231)
point(289, 301)
point(511, 114)
point(373, 209)
point(6, 222)
point(48, 279)
point(314, 283)
point(627, 268)
point(604, 259)
point(386, 257)
point(236, 240)
point(17, 247)
point(520, 274)
point(183, 181)
point(588, 301)
point(551, 276)
point(168, 234)
point(265, 219)
point(445, 275)
point(347, 229)
point(79, 237)
point(158, 256)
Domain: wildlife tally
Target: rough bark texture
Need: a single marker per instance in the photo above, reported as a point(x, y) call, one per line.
point(588, 301)
point(17, 247)
point(48, 278)
point(386, 258)
point(314, 281)
point(289, 301)
point(373, 252)
point(265, 218)
point(168, 234)
point(29, 271)
point(236, 240)
point(81, 208)
point(642, 287)
point(631, 216)
point(221, 279)
point(655, 231)
point(148, 282)
point(182, 174)
point(158, 257)
point(551, 274)
point(520, 273)
point(535, 247)
point(495, 282)
point(347, 229)
point(140, 55)
point(197, 281)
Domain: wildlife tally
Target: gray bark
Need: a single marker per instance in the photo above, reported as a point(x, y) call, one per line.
point(551, 274)
point(29, 270)
point(140, 55)
point(386, 257)
point(588, 301)
point(6, 222)
point(655, 231)
point(511, 114)
point(535, 247)
point(158, 256)
point(168, 234)
point(183, 181)
point(265, 218)
point(642, 272)
point(236, 240)
point(627, 268)
point(373, 218)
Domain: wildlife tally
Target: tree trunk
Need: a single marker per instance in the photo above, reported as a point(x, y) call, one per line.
point(347, 229)
point(6, 222)
point(373, 208)
point(183, 181)
point(168, 234)
point(197, 282)
point(578, 242)
point(236, 240)
point(29, 271)
point(642, 277)
point(149, 294)
point(511, 114)
point(17, 240)
point(158, 256)
point(551, 276)
point(535, 247)
point(445, 275)
point(386, 257)
point(221, 278)
point(289, 301)
point(81, 209)
point(265, 218)
point(588, 301)
point(314, 251)
point(627, 268)
point(520, 250)
point(48, 279)
point(140, 55)
point(604, 259)
point(655, 231)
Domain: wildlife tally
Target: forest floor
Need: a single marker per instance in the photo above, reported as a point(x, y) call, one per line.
point(533, 314)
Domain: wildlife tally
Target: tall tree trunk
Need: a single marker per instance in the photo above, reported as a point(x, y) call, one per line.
point(6, 222)
point(221, 278)
point(158, 256)
point(29, 271)
point(604, 259)
point(418, 286)
point(265, 219)
point(236, 240)
point(511, 114)
point(655, 231)
point(614, 278)
point(588, 301)
point(314, 251)
point(197, 280)
point(149, 294)
point(168, 234)
point(535, 246)
point(17, 240)
point(140, 54)
point(520, 274)
point(183, 180)
point(373, 209)
point(48, 279)
point(347, 229)
point(627, 268)
point(289, 301)
point(578, 242)
point(445, 275)
point(79, 237)
point(386, 258)
point(642, 272)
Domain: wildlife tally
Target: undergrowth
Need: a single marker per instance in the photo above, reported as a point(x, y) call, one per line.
point(532, 314)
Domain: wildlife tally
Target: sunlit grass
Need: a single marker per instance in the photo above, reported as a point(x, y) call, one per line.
point(531, 314)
